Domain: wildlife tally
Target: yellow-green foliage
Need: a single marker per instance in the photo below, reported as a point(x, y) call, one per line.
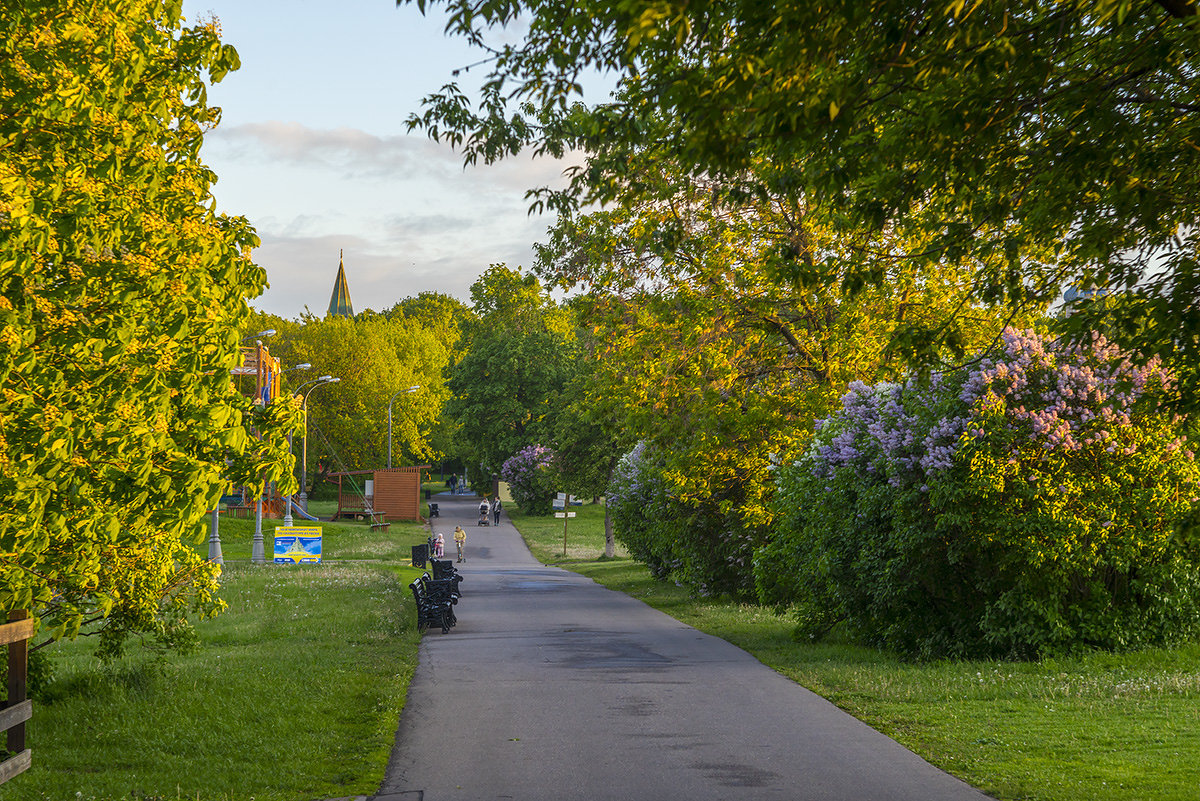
point(121, 291)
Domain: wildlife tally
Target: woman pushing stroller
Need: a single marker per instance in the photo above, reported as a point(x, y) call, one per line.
point(484, 508)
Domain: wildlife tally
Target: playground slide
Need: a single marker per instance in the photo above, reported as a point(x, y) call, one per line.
point(296, 510)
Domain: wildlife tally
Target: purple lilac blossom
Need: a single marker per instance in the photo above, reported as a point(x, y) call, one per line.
point(1058, 395)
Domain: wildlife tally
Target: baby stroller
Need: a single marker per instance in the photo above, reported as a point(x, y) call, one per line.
point(483, 514)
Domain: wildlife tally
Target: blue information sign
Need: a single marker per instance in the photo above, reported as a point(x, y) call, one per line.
point(296, 545)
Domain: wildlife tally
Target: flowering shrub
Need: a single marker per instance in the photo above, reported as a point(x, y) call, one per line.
point(532, 478)
point(697, 544)
point(1034, 502)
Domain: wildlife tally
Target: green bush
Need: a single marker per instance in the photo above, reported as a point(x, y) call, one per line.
point(1039, 502)
point(704, 549)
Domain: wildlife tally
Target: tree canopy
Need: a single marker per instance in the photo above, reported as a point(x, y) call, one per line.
point(519, 355)
point(720, 366)
point(121, 297)
point(374, 356)
point(1055, 143)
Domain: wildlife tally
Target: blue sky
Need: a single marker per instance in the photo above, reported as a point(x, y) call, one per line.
point(312, 150)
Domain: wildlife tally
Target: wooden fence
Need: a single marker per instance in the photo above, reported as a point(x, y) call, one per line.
point(15, 634)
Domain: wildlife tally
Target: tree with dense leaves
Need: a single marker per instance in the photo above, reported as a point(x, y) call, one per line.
point(446, 318)
point(122, 292)
point(374, 357)
point(1055, 143)
point(519, 355)
point(721, 367)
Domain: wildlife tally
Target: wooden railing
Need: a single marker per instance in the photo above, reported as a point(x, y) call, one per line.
point(15, 634)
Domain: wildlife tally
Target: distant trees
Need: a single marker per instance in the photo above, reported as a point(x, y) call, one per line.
point(374, 356)
point(122, 294)
point(519, 353)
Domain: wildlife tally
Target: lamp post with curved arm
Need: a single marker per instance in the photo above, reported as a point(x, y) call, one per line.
point(287, 502)
point(413, 388)
point(316, 382)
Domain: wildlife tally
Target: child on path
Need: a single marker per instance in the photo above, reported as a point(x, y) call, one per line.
point(439, 543)
point(460, 540)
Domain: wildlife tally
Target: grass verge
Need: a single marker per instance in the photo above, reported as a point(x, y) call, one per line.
point(544, 535)
point(293, 694)
point(1106, 727)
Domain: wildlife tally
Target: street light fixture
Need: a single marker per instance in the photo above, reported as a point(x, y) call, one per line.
point(267, 332)
point(413, 388)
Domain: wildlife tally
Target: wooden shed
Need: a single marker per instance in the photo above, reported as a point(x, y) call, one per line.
point(398, 492)
point(394, 493)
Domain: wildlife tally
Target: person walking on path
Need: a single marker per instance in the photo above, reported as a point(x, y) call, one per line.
point(453, 482)
point(439, 544)
point(460, 541)
point(496, 510)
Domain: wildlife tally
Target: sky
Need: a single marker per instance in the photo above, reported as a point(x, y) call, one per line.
point(312, 149)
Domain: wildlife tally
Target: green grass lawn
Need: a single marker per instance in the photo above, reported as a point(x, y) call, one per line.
point(293, 694)
point(544, 535)
point(345, 540)
point(1101, 727)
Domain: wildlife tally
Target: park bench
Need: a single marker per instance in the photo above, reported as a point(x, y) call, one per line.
point(431, 611)
point(443, 589)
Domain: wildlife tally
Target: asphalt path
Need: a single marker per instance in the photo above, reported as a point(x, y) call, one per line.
point(553, 687)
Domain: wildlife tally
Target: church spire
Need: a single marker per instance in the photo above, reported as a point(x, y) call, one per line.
point(339, 301)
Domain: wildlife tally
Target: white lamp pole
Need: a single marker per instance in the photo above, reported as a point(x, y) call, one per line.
point(317, 382)
point(413, 388)
point(287, 502)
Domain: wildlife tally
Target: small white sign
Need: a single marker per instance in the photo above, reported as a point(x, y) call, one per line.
point(560, 514)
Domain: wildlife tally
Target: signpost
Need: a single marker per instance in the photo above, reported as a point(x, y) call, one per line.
point(560, 503)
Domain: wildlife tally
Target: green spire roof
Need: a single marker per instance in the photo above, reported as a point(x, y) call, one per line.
point(339, 301)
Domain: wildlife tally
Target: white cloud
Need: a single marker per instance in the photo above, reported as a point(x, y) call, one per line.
point(357, 154)
point(409, 217)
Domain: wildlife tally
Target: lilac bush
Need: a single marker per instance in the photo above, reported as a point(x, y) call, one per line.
point(531, 476)
point(1034, 501)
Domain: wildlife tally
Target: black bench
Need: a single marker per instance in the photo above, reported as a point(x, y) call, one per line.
point(432, 610)
point(442, 589)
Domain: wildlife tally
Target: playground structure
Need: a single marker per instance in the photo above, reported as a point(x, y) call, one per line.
point(387, 493)
point(266, 370)
point(257, 361)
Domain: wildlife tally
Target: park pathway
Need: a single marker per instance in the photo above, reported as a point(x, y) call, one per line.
point(554, 688)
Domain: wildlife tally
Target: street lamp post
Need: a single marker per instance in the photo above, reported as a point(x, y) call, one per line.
point(413, 388)
point(256, 550)
point(287, 502)
point(317, 382)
